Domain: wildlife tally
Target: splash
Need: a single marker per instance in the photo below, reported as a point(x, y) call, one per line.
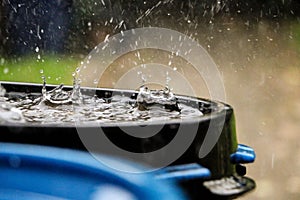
point(55, 106)
point(147, 99)
point(58, 96)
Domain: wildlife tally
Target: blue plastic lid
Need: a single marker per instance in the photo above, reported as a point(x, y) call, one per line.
point(37, 172)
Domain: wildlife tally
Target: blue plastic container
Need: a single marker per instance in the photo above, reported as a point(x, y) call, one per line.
point(36, 172)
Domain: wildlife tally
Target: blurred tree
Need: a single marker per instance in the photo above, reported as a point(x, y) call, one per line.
point(35, 25)
point(78, 25)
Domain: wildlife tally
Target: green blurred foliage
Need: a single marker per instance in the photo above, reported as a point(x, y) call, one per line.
point(57, 70)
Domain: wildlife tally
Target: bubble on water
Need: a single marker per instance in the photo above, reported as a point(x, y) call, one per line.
point(37, 49)
point(41, 71)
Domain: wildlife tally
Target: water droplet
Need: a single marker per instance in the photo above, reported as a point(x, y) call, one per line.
point(144, 78)
point(37, 49)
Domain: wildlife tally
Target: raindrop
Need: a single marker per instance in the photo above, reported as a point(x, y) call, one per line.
point(168, 79)
point(144, 78)
point(106, 38)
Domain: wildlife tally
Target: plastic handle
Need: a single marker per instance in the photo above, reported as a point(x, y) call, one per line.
point(244, 154)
